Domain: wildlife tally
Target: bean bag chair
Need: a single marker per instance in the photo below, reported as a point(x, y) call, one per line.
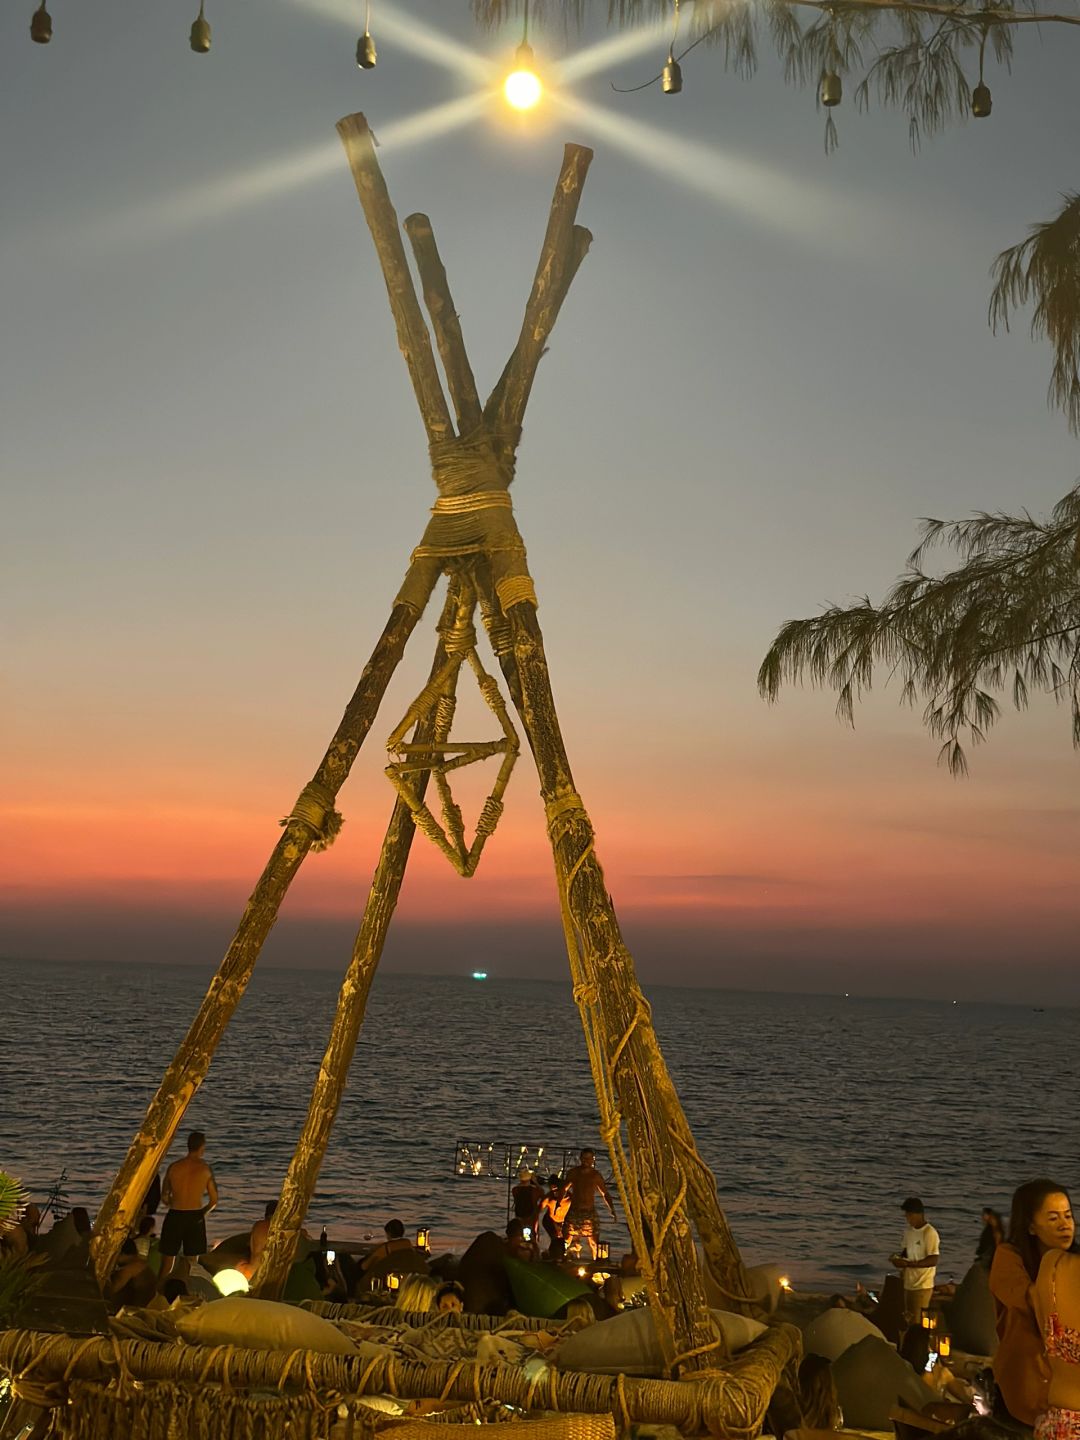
point(302, 1283)
point(627, 1344)
point(483, 1276)
point(870, 1379)
point(542, 1289)
point(835, 1331)
point(61, 1238)
point(970, 1314)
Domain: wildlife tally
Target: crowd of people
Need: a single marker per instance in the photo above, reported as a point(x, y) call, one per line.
point(179, 1261)
point(1031, 1267)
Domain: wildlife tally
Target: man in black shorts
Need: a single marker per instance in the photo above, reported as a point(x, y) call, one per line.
point(187, 1181)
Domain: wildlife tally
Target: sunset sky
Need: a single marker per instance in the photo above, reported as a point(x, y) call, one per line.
point(772, 363)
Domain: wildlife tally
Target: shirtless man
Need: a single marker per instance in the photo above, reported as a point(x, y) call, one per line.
point(184, 1229)
point(580, 1187)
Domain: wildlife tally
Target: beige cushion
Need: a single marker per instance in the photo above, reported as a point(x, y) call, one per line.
point(627, 1343)
point(262, 1325)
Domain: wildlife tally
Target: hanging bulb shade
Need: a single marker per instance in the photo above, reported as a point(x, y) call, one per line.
point(832, 88)
point(981, 101)
point(522, 86)
point(200, 35)
point(365, 52)
point(671, 76)
point(41, 25)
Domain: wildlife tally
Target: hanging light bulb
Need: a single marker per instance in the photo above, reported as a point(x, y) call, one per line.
point(522, 86)
point(671, 75)
point(832, 88)
point(366, 55)
point(200, 33)
point(41, 25)
point(981, 102)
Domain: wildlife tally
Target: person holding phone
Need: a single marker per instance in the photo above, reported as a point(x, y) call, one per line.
point(917, 1259)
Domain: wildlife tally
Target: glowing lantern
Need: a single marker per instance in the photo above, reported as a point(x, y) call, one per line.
point(522, 86)
point(231, 1282)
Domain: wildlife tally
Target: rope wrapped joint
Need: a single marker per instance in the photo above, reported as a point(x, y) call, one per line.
point(314, 808)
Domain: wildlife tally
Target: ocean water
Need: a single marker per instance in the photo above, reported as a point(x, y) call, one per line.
point(818, 1114)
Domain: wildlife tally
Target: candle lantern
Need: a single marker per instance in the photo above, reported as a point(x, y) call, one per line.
point(423, 1238)
point(944, 1346)
point(603, 1250)
point(393, 1283)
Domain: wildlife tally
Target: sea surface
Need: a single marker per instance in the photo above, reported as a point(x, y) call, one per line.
point(818, 1114)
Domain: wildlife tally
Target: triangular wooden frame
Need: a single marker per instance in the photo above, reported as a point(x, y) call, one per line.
point(440, 755)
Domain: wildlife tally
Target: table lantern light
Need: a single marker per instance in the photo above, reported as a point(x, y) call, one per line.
point(423, 1238)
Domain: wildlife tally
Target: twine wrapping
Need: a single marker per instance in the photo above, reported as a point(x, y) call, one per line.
point(315, 808)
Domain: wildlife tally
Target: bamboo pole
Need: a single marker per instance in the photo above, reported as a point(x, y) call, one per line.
point(607, 994)
point(445, 323)
point(188, 1068)
point(562, 251)
point(303, 1172)
point(414, 340)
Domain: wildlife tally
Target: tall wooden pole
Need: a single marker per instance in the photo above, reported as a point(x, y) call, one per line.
point(188, 1068)
point(653, 1186)
point(332, 1078)
point(721, 1253)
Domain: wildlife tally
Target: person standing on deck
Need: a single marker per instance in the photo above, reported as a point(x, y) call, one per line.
point(183, 1232)
point(580, 1187)
point(917, 1260)
point(527, 1197)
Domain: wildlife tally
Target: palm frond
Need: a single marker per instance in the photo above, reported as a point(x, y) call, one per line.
point(20, 1276)
point(1007, 619)
point(13, 1198)
point(922, 75)
point(1044, 270)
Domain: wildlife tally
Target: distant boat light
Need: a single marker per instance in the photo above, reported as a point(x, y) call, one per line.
point(479, 974)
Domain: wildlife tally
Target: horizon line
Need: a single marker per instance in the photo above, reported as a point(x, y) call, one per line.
point(551, 980)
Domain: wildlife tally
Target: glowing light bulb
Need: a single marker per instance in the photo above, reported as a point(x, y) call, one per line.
point(231, 1282)
point(522, 86)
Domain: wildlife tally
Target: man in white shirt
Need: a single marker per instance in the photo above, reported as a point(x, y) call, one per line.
point(917, 1259)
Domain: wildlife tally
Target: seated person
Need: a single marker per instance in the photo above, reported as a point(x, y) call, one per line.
point(940, 1382)
point(257, 1241)
point(395, 1243)
point(521, 1242)
point(132, 1282)
point(450, 1298)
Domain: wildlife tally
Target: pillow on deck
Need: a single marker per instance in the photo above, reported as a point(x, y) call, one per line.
point(835, 1331)
point(971, 1315)
point(870, 1379)
point(262, 1325)
point(627, 1344)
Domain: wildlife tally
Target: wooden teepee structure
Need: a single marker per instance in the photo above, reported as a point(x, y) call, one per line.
point(472, 538)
